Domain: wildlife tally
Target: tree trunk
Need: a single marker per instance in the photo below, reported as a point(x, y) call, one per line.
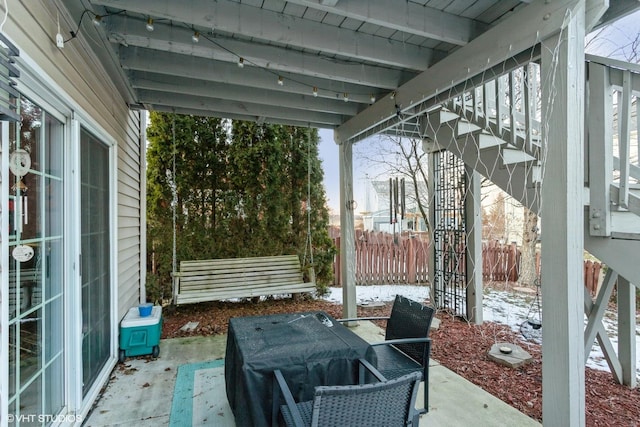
point(528, 274)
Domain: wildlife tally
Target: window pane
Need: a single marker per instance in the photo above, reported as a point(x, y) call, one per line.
point(30, 327)
point(54, 382)
point(31, 118)
point(53, 353)
point(31, 402)
point(53, 345)
point(53, 149)
point(53, 199)
point(53, 267)
point(14, 357)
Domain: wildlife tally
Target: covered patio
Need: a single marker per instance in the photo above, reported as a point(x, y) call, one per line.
point(190, 373)
point(504, 87)
point(419, 70)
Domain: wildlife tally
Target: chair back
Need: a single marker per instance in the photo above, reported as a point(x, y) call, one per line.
point(384, 404)
point(410, 319)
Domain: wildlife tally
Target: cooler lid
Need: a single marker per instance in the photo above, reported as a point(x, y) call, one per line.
point(132, 319)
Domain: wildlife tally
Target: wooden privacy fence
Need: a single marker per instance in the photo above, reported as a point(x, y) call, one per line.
point(592, 276)
point(502, 263)
point(380, 260)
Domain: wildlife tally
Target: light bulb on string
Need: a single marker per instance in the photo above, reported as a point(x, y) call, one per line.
point(241, 62)
point(345, 97)
point(97, 20)
point(372, 98)
point(280, 81)
point(195, 37)
point(149, 24)
point(315, 91)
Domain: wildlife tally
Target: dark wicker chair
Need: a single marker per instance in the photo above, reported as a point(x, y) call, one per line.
point(385, 404)
point(407, 347)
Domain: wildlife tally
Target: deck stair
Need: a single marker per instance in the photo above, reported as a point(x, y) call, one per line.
point(495, 128)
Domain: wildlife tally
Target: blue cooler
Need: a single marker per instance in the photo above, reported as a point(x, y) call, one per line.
point(140, 335)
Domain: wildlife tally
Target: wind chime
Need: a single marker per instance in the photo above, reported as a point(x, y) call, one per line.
point(19, 165)
point(396, 205)
point(534, 317)
point(531, 328)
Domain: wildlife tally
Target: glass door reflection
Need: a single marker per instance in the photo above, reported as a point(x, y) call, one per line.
point(36, 309)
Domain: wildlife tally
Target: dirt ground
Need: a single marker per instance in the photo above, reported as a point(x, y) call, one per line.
point(458, 345)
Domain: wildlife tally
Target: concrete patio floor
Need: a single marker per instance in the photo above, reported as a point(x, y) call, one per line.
point(142, 392)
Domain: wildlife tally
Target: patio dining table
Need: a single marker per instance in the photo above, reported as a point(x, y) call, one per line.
point(310, 349)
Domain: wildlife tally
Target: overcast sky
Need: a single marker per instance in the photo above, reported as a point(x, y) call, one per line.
point(613, 41)
point(328, 151)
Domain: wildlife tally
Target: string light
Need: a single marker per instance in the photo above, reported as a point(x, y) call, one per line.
point(98, 20)
point(393, 95)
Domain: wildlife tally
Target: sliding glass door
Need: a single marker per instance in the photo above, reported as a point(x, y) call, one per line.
point(60, 294)
point(96, 265)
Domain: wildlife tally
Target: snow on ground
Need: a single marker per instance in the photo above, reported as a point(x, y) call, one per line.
point(513, 308)
point(510, 308)
point(374, 293)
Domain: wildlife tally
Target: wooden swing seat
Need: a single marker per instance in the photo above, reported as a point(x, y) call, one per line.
point(220, 279)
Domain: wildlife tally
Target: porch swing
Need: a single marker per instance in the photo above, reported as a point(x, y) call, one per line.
point(252, 277)
point(310, 267)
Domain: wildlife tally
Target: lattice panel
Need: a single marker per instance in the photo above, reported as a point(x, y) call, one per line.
point(449, 234)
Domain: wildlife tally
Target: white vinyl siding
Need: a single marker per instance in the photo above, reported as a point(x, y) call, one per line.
point(84, 92)
point(79, 75)
point(130, 216)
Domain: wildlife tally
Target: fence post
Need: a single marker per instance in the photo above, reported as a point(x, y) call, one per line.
point(411, 258)
point(596, 277)
point(513, 264)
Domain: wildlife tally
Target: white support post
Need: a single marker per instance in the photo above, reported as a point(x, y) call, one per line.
point(488, 101)
point(624, 125)
point(500, 105)
point(627, 331)
point(473, 216)
point(600, 149)
point(513, 109)
point(529, 94)
point(347, 232)
point(595, 10)
point(563, 84)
